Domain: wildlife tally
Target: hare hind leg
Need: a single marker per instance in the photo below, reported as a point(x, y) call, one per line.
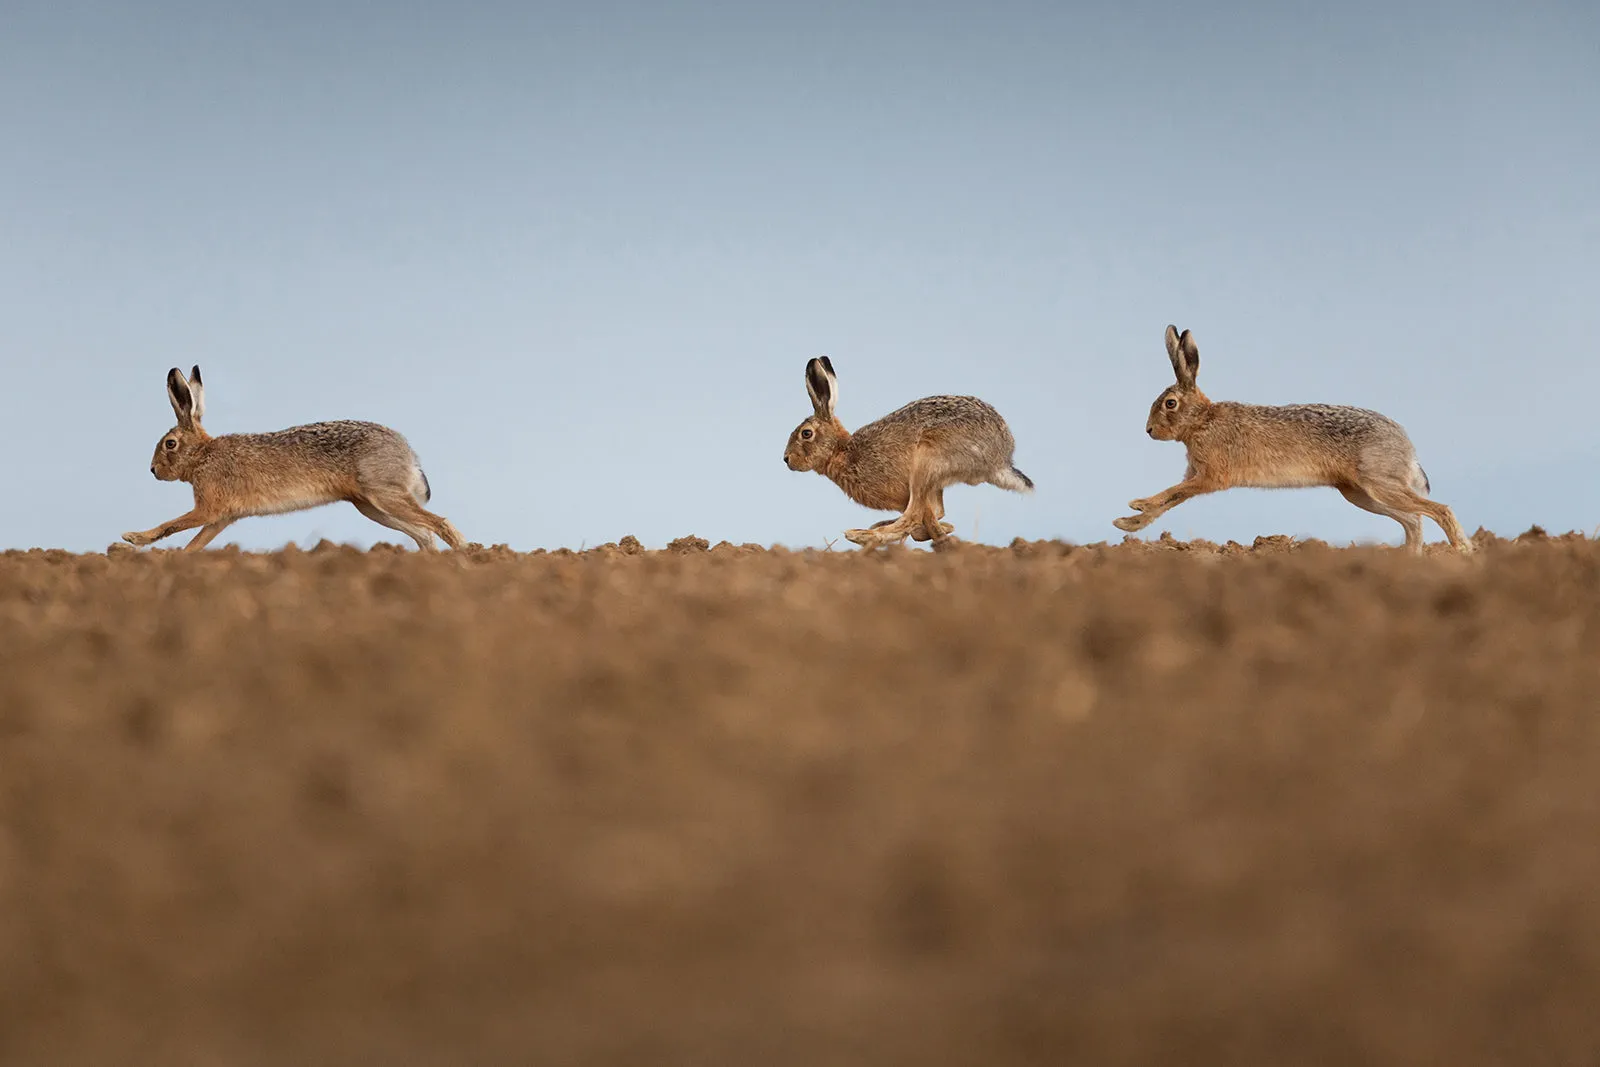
point(933, 474)
point(1404, 498)
point(443, 527)
point(418, 533)
point(922, 510)
point(931, 528)
point(403, 506)
point(1410, 521)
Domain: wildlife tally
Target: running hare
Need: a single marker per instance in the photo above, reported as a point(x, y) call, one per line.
point(904, 461)
point(1364, 455)
point(242, 474)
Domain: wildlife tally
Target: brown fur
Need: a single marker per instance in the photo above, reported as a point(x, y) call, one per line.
point(239, 475)
point(1366, 456)
point(904, 461)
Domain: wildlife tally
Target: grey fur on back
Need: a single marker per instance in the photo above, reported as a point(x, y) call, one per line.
point(944, 410)
point(1333, 420)
point(966, 413)
point(975, 439)
point(338, 437)
point(1377, 442)
point(381, 456)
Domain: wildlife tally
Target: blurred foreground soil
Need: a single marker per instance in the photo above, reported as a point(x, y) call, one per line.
point(1128, 804)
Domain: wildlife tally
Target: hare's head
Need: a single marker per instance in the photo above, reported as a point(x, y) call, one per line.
point(177, 449)
point(1182, 405)
point(814, 440)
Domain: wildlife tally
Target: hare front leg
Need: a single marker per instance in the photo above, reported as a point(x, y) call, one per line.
point(207, 534)
point(933, 529)
point(922, 511)
point(868, 534)
point(187, 521)
point(879, 533)
point(1152, 508)
point(889, 531)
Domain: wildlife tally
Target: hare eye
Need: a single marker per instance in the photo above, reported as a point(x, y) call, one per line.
point(806, 434)
point(1172, 403)
point(171, 443)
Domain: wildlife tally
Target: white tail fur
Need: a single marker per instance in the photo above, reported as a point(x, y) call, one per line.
point(1012, 479)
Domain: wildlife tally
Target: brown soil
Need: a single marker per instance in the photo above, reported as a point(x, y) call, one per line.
point(1164, 804)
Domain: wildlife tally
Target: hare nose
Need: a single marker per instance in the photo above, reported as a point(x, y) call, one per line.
point(152, 468)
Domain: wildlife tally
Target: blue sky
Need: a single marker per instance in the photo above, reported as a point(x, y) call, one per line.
point(579, 254)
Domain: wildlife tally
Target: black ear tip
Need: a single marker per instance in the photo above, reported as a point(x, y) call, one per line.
point(194, 375)
point(827, 364)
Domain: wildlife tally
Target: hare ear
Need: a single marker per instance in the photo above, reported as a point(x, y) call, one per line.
point(1191, 355)
point(182, 398)
point(197, 390)
point(1175, 353)
point(822, 386)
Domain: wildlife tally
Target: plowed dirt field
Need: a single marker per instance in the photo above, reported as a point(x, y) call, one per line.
point(1046, 804)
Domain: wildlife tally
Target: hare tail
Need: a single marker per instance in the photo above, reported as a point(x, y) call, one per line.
point(1419, 479)
point(1012, 479)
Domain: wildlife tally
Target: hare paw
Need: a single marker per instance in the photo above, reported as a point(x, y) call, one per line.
point(137, 538)
point(1130, 523)
point(875, 537)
